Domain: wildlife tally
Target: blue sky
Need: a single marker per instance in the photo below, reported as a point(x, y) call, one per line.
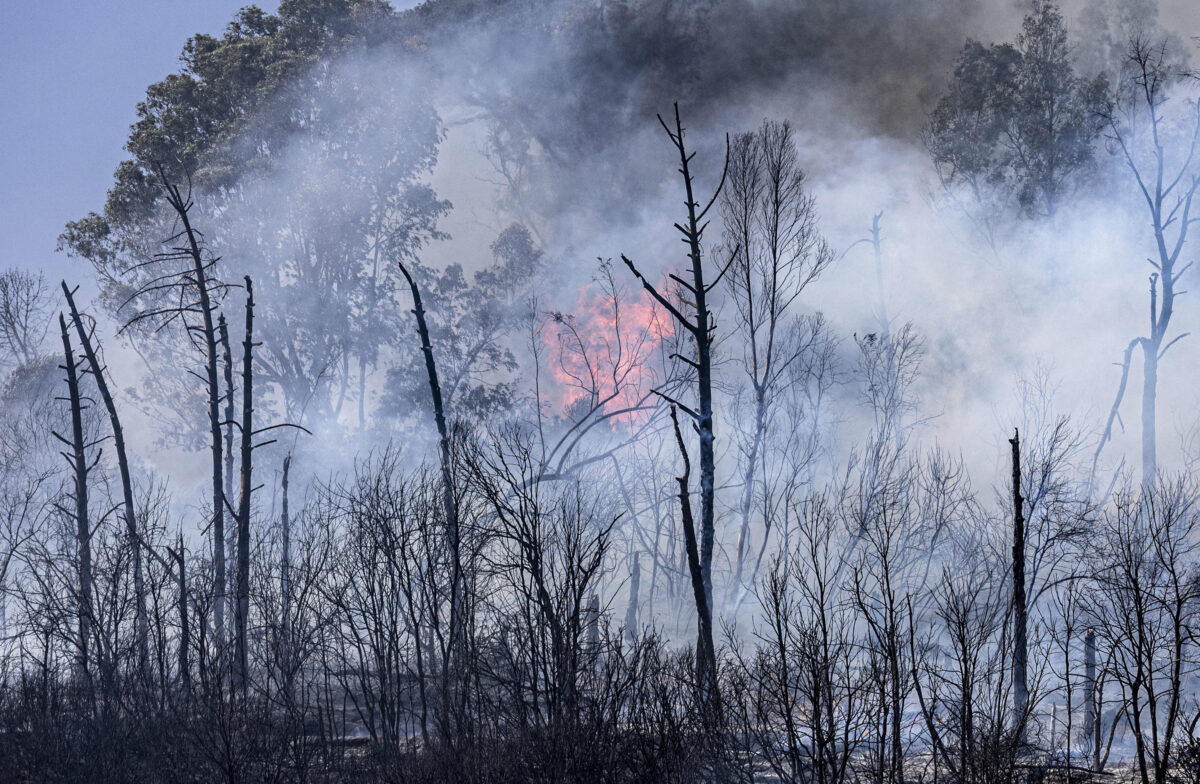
point(72, 74)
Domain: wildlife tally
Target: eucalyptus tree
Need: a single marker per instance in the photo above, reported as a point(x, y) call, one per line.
point(301, 183)
point(1017, 129)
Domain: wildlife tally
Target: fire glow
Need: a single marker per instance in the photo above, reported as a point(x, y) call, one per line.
point(602, 355)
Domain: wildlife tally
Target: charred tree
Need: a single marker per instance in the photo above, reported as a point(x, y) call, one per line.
point(131, 526)
point(1168, 185)
point(454, 649)
point(700, 327)
point(635, 584)
point(185, 629)
point(242, 609)
point(1091, 714)
point(83, 532)
point(199, 280)
point(1020, 607)
point(229, 554)
point(705, 650)
point(285, 585)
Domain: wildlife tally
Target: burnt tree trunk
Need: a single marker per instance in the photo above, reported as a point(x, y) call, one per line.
point(635, 584)
point(229, 554)
point(83, 533)
point(700, 327)
point(185, 629)
point(705, 651)
point(182, 206)
point(1091, 716)
point(456, 643)
point(141, 628)
point(243, 516)
point(1020, 642)
point(285, 587)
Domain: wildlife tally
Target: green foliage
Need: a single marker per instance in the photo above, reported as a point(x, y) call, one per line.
point(1017, 128)
point(306, 173)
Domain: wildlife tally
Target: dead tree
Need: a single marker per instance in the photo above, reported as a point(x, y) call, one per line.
point(706, 656)
point(228, 554)
point(185, 631)
point(1140, 136)
point(242, 609)
point(194, 286)
point(635, 584)
point(285, 587)
point(1020, 608)
point(701, 328)
point(449, 504)
point(1091, 698)
point(77, 458)
point(770, 217)
point(131, 526)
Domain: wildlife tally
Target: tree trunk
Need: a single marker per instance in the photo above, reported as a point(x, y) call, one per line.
point(229, 554)
point(1149, 399)
point(897, 703)
point(635, 584)
point(131, 528)
point(1020, 644)
point(1091, 723)
point(83, 532)
point(285, 587)
point(457, 637)
point(182, 206)
point(700, 326)
point(243, 517)
point(185, 630)
point(760, 426)
point(705, 650)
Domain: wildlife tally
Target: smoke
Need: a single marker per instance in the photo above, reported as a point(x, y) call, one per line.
point(583, 81)
point(546, 116)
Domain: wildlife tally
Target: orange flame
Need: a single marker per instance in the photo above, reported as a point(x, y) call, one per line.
point(602, 356)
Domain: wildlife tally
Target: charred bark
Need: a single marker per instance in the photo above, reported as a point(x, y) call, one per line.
point(454, 650)
point(229, 554)
point(700, 327)
point(247, 478)
point(131, 527)
point(199, 279)
point(285, 586)
point(1020, 642)
point(185, 629)
point(83, 532)
point(705, 650)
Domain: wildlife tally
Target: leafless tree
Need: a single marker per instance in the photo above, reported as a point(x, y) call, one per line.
point(80, 468)
point(694, 296)
point(1158, 145)
point(24, 316)
point(770, 217)
point(98, 370)
point(1144, 605)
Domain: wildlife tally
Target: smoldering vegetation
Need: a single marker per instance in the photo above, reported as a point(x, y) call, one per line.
point(620, 391)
